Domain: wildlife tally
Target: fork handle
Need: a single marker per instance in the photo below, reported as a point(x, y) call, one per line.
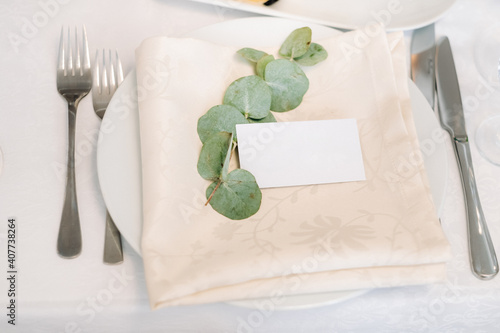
point(113, 252)
point(69, 241)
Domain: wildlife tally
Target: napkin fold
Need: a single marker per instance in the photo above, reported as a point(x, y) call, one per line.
point(305, 239)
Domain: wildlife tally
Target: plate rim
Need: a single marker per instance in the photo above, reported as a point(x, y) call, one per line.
point(272, 11)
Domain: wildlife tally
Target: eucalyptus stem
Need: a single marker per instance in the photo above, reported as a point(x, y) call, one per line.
point(213, 192)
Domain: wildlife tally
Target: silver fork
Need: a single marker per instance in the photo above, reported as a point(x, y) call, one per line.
point(74, 81)
point(102, 90)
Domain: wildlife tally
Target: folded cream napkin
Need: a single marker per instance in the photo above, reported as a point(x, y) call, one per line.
point(308, 239)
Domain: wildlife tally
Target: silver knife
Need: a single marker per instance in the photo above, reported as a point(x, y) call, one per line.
point(423, 52)
point(482, 254)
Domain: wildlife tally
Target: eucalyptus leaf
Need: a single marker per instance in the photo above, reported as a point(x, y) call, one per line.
point(251, 54)
point(251, 95)
point(268, 119)
point(288, 84)
point(227, 160)
point(213, 155)
point(297, 43)
point(220, 118)
point(314, 55)
point(262, 63)
point(237, 197)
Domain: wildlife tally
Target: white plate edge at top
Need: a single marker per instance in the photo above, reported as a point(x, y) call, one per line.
point(395, 15)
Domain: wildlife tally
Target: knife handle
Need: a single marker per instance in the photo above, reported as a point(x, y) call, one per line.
point(482, 253)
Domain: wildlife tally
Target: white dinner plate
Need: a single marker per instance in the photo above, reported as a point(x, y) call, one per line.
point(347, 14)
point(119, 157)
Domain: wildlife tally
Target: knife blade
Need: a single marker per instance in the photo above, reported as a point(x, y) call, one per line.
point(482, 254)
point(423, 51)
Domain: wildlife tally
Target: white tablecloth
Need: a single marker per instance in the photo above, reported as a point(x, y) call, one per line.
point(84, 295)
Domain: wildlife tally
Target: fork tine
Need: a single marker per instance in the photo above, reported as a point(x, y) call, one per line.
point(86, 56)
point(69, 50)
point(78, 63)
point(105, 85)
point(60, 58)
point(112, 78)
point(96, 86)
point(119, 69)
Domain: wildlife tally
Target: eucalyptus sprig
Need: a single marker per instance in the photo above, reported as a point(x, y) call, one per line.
point(278, 85)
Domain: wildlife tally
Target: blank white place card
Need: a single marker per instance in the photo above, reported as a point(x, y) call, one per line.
point(301, 153)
